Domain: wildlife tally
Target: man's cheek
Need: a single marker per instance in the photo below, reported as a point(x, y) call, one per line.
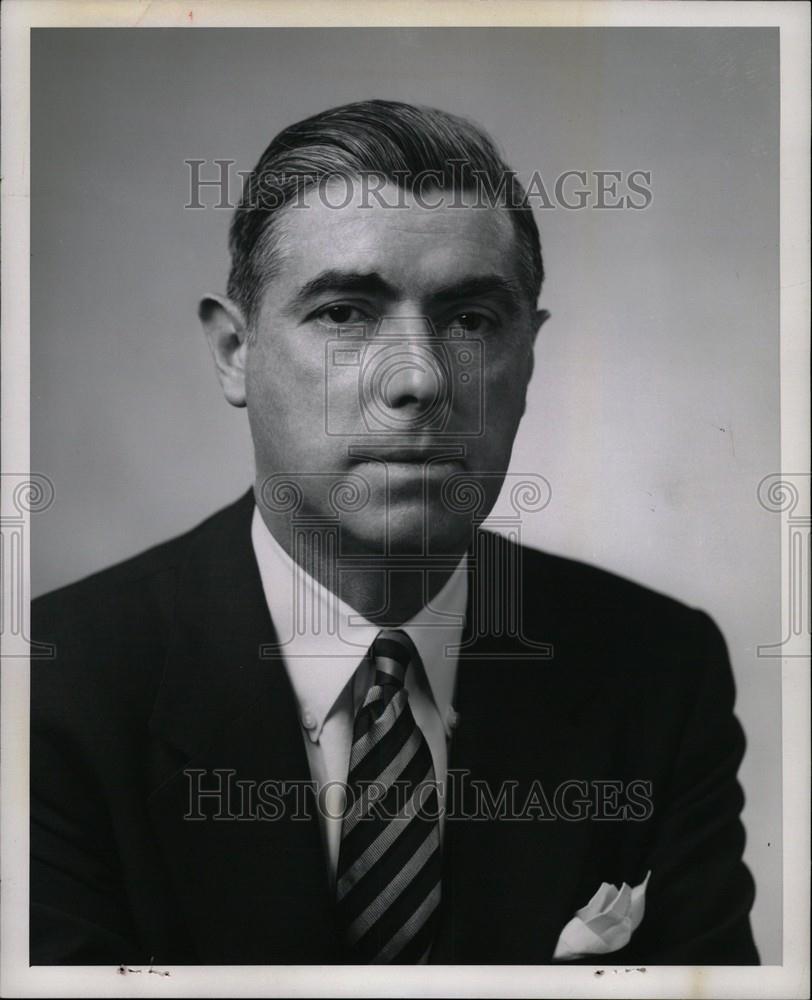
point(506, 382)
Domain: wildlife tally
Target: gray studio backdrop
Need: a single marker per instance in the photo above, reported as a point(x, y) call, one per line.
point(654, 410)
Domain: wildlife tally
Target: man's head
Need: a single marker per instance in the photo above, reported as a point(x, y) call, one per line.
point(380, 317)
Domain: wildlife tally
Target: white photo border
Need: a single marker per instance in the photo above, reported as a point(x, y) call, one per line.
point(791, 978)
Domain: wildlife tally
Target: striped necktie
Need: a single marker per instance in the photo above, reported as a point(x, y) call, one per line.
point(388, 877)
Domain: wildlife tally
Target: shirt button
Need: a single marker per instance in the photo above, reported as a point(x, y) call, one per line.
point(308, 719)
point(452, 718)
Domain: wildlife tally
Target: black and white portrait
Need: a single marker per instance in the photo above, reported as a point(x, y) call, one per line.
point(406, 576)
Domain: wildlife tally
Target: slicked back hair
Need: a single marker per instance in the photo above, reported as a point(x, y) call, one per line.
point(399, 142)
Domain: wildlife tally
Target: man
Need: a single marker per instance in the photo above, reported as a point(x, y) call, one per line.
point(339, 721)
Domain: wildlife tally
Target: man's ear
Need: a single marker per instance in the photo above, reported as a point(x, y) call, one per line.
point(540, 317)
point(227, 334)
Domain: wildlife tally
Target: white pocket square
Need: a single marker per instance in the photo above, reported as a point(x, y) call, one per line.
point(605, 924)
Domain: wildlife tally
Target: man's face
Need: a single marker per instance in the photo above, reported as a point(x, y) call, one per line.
point(392, 351)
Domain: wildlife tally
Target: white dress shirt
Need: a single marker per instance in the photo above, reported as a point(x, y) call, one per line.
point(324, 642)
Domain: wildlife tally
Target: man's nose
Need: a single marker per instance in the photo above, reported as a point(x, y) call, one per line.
point(411, 376)
point(415, 378)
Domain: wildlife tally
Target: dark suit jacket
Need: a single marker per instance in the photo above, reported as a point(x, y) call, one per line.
point(165, 663)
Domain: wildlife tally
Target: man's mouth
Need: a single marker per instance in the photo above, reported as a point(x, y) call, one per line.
point(411, 456)
point(422, 455)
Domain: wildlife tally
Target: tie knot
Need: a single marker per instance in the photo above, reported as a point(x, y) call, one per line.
point(392, 652)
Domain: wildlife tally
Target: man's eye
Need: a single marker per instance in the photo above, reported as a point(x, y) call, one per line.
point(342, 315)
point(471, 322)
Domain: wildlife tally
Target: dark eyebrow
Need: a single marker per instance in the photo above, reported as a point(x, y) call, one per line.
point(493, 285)
point(343, 282)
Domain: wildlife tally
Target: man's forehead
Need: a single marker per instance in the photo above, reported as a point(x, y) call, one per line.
point(409, 240)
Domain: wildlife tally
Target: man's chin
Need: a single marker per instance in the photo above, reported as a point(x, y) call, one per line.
point(405, 531)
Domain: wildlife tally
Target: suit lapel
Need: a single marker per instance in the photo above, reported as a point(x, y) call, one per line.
point(250, 875)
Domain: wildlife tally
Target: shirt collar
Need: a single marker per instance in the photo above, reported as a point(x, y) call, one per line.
point(323, 640)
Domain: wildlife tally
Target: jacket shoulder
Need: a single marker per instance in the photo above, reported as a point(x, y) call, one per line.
point(610, 620)
point(109, 634)
point(564, 580)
